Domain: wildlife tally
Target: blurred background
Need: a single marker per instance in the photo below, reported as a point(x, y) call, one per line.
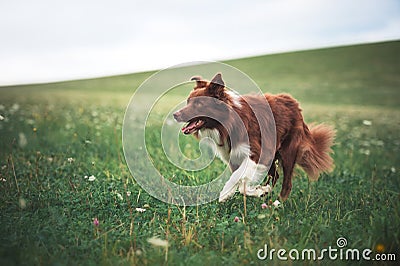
point(46, 40)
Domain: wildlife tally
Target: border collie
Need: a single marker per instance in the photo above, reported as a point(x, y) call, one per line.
point(230, 120)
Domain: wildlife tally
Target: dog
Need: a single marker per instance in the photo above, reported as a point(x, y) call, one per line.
point(229, 119)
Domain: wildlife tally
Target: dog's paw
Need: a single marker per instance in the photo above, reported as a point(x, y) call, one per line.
point(223, 197)
point(226, 194)
point(263, 190)
point(257, 191)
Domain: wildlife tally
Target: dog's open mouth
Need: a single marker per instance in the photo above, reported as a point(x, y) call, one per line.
point(192, 126)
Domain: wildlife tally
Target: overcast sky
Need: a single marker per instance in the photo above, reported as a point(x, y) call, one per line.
point(50, 40)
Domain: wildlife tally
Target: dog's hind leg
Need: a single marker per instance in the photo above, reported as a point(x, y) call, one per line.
point(288, 155)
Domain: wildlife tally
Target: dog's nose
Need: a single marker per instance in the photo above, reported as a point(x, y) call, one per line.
point(177, 116)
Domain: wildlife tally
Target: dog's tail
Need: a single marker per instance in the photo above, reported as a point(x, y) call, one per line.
point(315, 156)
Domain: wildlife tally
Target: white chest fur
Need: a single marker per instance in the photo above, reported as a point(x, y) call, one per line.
point(235, 156)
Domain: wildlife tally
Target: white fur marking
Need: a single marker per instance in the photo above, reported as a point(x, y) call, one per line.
point(234, 97)
point(240, 153)
point(247, 177)
point(221, 151)
point(249, 174)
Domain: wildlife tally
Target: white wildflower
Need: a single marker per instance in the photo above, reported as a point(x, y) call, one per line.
point(261, 216)
point(14, 108)
point(3, 180)
point(365, 151)
point(128, 193)
point(1, 118)
point(140, 210)
point(22, 141)
point(155, 241)
point(70, 160)
point(276, 203)
point(367, 123)
point(22, 203)
point(120, 196)
point(393, 170)
point(91, 178)
point(138, 252)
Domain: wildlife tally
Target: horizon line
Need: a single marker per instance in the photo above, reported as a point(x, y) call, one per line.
point(225, 60)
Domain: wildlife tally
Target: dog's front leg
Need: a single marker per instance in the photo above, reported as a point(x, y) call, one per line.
point(232, 184)
point(250, 185)
point(247, 177)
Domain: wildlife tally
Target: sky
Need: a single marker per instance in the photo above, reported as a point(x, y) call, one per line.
point(53, 40)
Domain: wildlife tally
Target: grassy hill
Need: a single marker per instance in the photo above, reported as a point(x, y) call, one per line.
point(67, 196)
point(355, 75)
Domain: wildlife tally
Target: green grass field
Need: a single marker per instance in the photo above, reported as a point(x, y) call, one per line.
point(54, 137)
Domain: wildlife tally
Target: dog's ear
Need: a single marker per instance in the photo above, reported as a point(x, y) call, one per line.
point(200, 82)
point(217, 85)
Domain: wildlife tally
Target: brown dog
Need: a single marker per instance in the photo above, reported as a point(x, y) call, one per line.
point(240, 126)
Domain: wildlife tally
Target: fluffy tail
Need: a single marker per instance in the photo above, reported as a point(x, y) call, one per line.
point(315, 157)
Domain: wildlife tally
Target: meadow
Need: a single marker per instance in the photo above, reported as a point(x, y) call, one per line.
point(67, 196)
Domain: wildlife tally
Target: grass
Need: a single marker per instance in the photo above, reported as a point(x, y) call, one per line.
point(48, 206)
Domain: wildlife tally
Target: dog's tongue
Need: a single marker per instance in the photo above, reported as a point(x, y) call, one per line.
point(189, 128)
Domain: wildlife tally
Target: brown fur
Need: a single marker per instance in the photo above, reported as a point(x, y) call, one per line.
point(295, 141)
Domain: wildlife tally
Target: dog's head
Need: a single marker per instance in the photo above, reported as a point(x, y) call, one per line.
point(206, 105)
